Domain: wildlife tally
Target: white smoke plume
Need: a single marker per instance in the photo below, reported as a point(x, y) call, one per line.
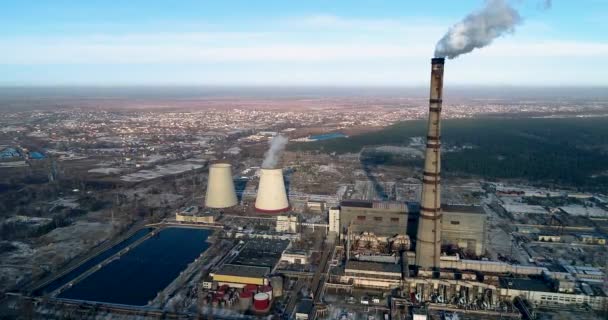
point(273, 155)
point(478, 29)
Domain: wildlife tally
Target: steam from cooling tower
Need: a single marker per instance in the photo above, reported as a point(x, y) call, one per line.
point(479, 28)
point(273, 155)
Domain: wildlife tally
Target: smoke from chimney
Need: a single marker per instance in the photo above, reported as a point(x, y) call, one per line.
point(273, 155)
point(479, 28)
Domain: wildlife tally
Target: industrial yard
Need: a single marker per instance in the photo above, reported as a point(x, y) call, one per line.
point(266, 232)
point(277, 166)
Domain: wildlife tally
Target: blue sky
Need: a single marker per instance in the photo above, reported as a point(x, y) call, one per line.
point(313, 42)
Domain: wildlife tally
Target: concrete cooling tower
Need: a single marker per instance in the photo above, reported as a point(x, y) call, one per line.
point(220, 188)
point(272, 197)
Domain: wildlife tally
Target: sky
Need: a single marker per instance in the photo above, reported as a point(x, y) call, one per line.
point(292, 43)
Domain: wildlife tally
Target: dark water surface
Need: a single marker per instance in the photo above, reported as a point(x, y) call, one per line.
point(137, 276)
point(59, 282)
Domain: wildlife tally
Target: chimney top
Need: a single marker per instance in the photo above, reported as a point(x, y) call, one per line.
point(438, 61)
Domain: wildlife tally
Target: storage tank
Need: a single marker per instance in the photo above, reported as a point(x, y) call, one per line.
point(245, 298)
point(277, 286)
point(251, 288)
point(220, 187)
point(271, 197)
point(261, 301)
point(267, 290)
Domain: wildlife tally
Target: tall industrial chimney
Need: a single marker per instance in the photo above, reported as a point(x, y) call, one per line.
point(271, 197)
point(220, 187)
point(428, 243)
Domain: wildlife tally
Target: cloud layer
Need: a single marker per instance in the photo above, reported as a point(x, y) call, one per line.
point(302, 50)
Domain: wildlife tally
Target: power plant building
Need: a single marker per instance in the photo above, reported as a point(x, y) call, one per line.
point(384, 218)
point(462, 225)
point(465, 227)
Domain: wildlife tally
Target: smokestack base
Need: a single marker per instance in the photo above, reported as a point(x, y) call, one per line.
point(438, 61)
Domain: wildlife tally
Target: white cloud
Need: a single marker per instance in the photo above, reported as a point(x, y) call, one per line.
point(315, 49)
point(202, 48)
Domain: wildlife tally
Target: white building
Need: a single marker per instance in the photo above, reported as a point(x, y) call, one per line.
point(334, 220)
point(295, 256)
point(288, 224)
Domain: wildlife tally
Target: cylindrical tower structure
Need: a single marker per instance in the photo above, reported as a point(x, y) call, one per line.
point(245, 298)
point(271, 197)
point(261, 301)
point(220, 187)
point(428, 240)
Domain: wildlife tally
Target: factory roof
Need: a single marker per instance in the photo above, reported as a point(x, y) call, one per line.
point(462, 208)
point(296, 252)
point(261, 252)
point(266, 246)
point(243, 271)
point(371, 204)
point(373, 266)
point(529, 284)
point(304, 306)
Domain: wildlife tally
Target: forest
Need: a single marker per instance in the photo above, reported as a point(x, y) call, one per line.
point(563, 151)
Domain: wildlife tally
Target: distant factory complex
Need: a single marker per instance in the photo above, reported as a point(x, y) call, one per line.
point(432, 253)
point(215, 233)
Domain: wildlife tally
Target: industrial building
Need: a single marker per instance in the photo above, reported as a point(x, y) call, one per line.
point(315, 206)
point(247, 281)
point(372, 274)
point(241, 275)
point(462, 226)
point(465, 227)
point(541, 293)
point(303, 309)
point(386, 218)
point(194, 214)
point(287, 223)
point(261, 253)
point(295, 256)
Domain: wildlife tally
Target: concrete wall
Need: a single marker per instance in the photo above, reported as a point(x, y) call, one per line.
point(381, 221)
point(466, 230)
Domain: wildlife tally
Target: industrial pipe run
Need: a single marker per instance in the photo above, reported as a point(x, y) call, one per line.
point(428, 240)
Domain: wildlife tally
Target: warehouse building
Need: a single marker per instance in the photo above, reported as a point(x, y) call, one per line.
point(238, 276)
